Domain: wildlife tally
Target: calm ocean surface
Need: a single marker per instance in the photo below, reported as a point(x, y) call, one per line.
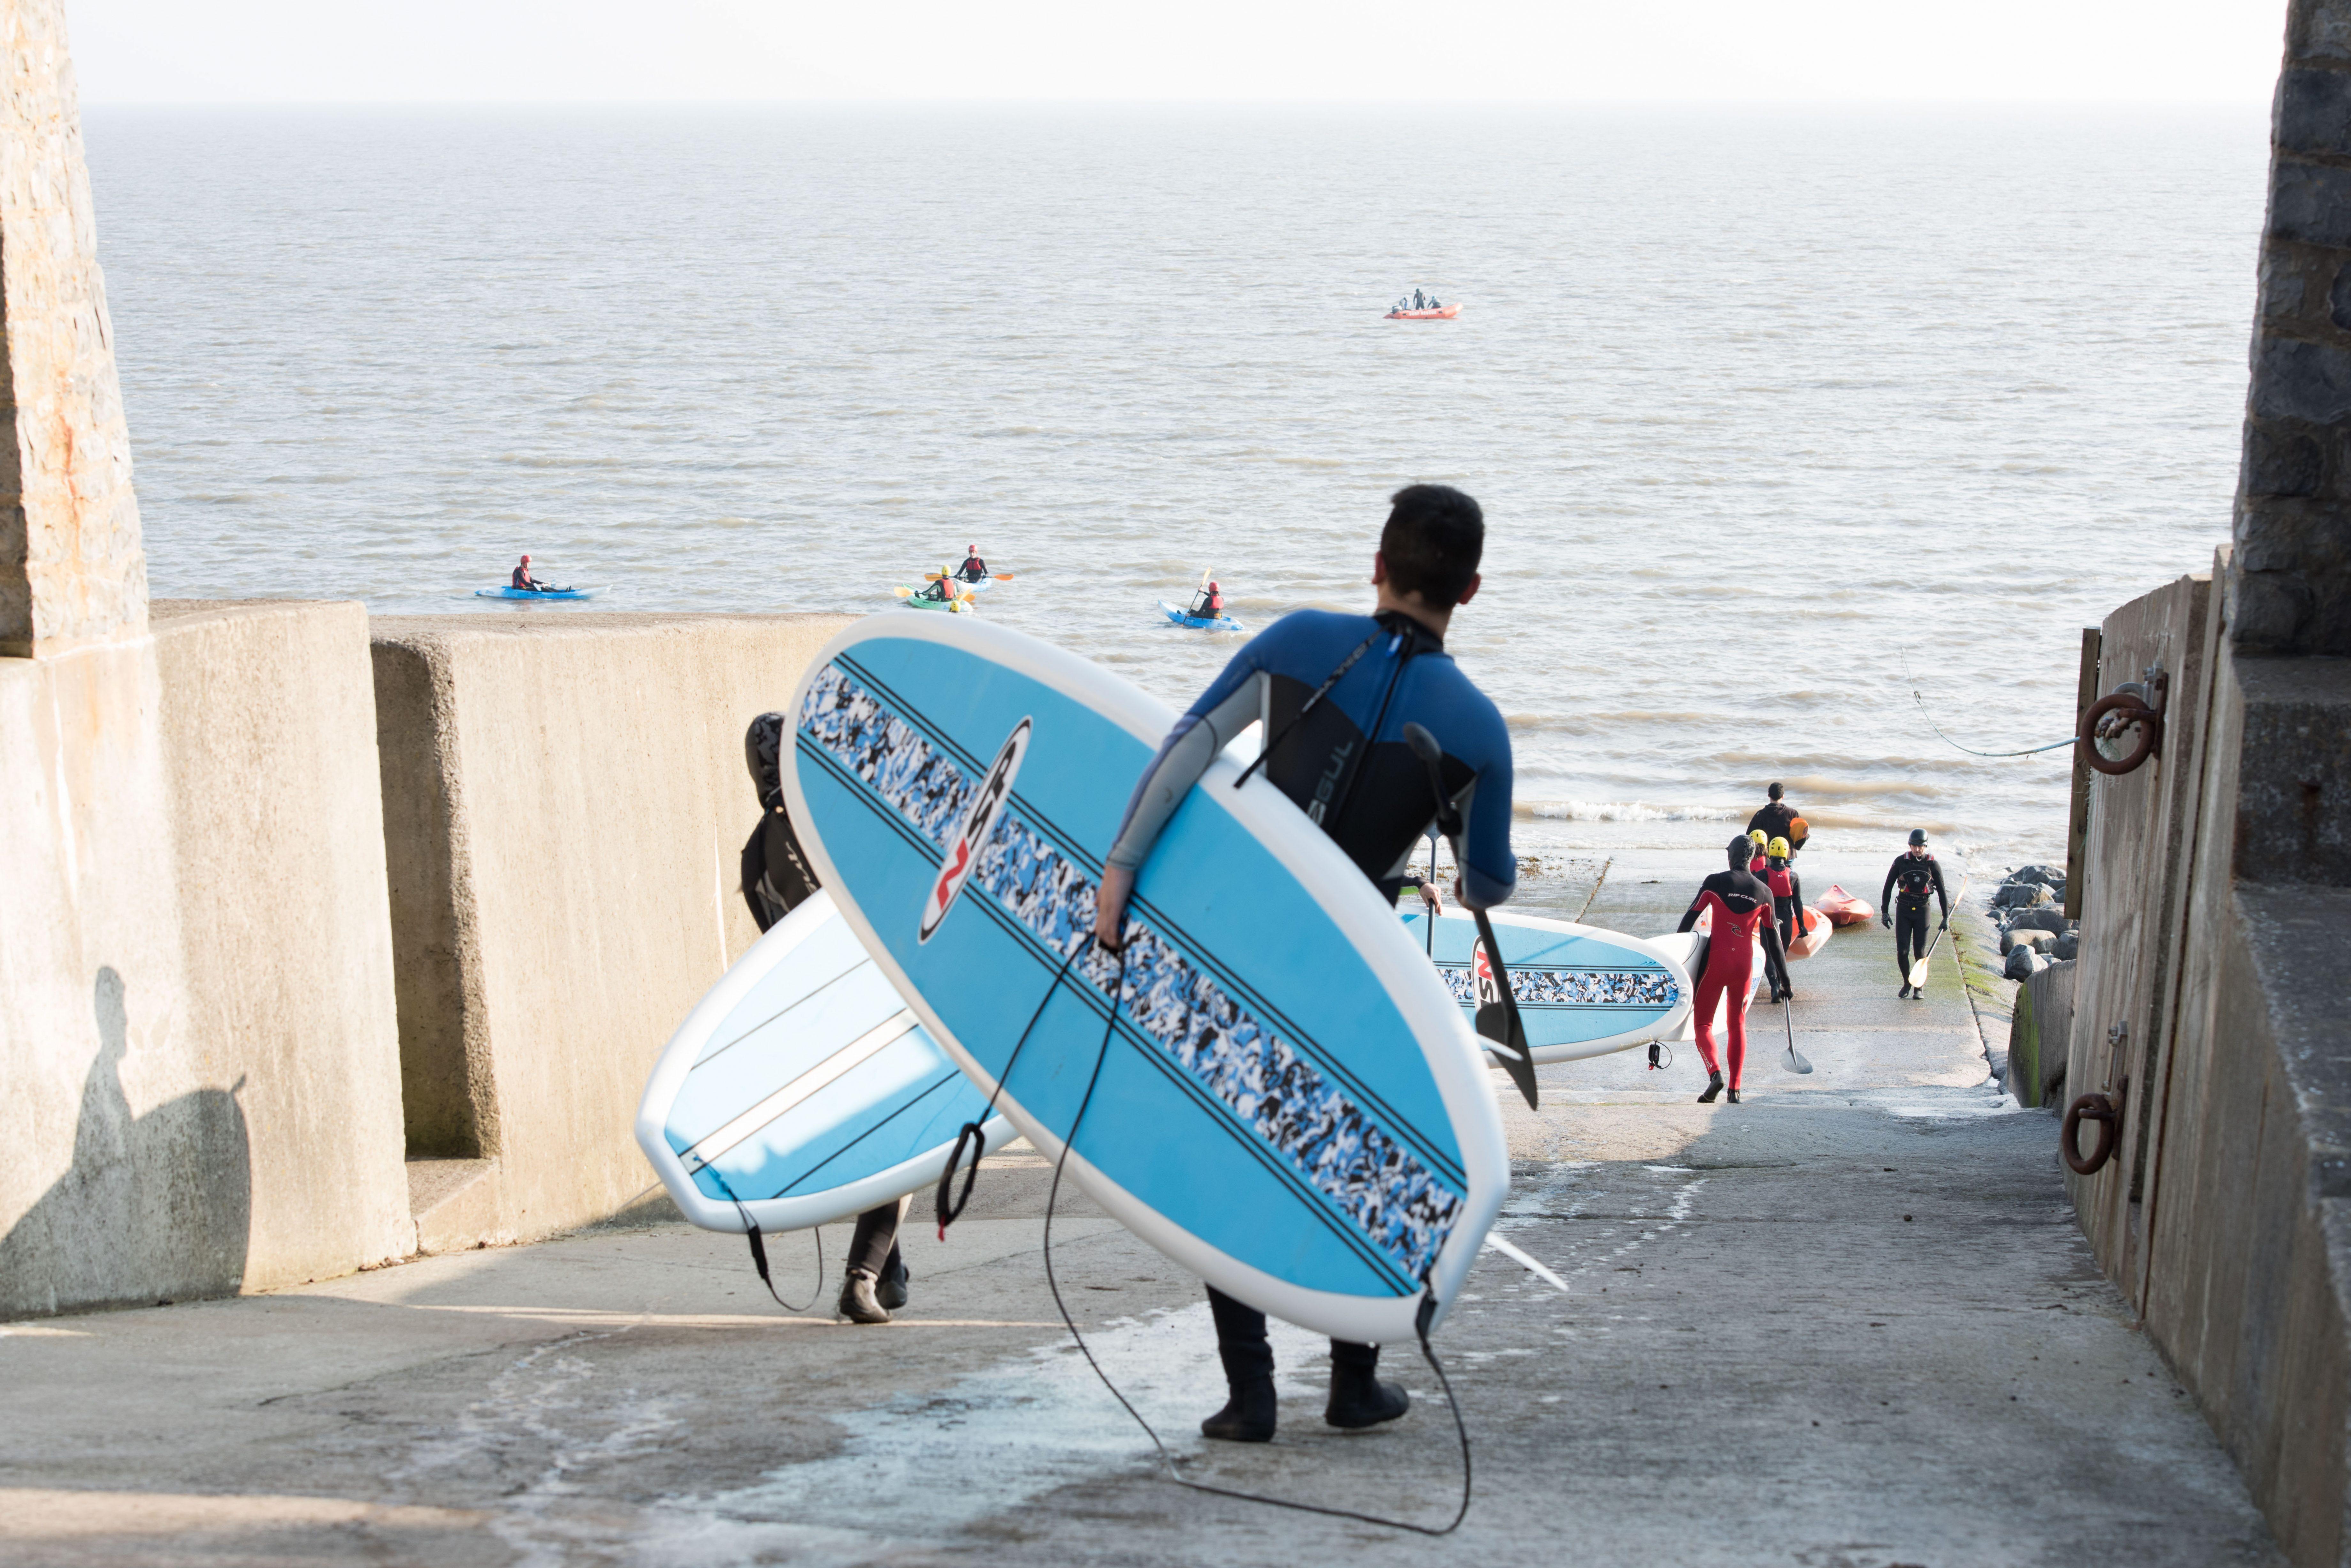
point(1774, 414)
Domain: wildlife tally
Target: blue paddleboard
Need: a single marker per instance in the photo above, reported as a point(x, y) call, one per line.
point(1582, 992)
point(526, 594)
point(803, 1086)
point(1200, 623)
point(1284, 1098)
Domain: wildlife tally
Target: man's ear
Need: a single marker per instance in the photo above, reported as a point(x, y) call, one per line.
point(1379, 568)
point(1470, 592)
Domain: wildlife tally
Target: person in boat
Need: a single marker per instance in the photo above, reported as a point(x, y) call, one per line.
point(1416, 300)
point(1741, 906)
point(1787, 896)
point(524, 580)
point(941, 588)
point(1208, 603)
point(973, 568)
point(777, 879)
point(1433, 305)
point(1371, 675)
point(1902, 904)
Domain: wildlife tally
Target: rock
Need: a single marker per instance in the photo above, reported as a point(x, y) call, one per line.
point(2021, 895)
point(2046, 876)
point(2050, 920)
point(2023, 962)
point(2067, 947)
point(2038, 940)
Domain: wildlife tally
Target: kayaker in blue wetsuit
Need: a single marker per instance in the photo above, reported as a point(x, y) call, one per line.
point(1334, 693)
point(524, 580)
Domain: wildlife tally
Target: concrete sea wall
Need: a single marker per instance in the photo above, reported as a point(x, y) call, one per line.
point(567, 801)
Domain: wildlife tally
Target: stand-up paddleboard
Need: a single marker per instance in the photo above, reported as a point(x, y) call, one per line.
point(529, 595)
point(1582, 992)
point(804, 1086)
point(1684, 947)
point(1284, 1098)
point(1813, 936)
point(1203, 624)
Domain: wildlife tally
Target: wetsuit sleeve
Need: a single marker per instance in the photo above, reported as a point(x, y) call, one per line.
point(1940, 897)
point(1689, 916)
point(1756, 821)
point(1490, 875)
point(1229, 707)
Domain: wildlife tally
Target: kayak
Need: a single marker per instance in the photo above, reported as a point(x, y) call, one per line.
point(1813, 936)
point(1443, 313)
point(914, 599)
point(545, 593)
point(1199, 622)
point(1843, 909)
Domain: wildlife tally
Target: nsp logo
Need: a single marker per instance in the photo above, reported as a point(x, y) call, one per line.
point(963, 849)
point(1482, 973)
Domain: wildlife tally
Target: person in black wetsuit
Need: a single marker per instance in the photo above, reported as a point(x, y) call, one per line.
point(973, 568)
point(1416, 300)
point(1208, 603)
point(777, 879)
point(1382, 671)
point(1741, 906)
point(1902, 904)
point(1774, 819)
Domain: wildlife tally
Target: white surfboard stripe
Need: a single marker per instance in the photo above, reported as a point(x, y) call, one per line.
point(833, 1067)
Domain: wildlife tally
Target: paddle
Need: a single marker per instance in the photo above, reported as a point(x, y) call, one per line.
point(1795, 1062)
point(1919, 969)
point(1498, 1018)
point(935, 575)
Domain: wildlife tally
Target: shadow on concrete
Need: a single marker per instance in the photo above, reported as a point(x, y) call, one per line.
point(156, 1207)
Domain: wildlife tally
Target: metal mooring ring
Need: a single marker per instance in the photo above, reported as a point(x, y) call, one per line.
point(2090, 1108)
point(2128, 709)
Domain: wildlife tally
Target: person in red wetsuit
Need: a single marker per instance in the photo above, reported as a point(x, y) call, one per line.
point(1743, 910)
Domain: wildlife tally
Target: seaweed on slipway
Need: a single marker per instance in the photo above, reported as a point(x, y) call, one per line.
point(1403, 1209)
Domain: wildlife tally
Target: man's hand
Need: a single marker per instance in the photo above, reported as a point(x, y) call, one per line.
point(1886, 921)
point(1431, 897)
point(1110, 905)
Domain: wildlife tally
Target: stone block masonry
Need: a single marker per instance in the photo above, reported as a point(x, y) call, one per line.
point(564, 803)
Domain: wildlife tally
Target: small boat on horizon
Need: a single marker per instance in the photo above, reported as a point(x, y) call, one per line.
point(1433, 313)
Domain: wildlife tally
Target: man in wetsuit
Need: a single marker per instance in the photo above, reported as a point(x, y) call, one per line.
point(1208, 603)
point(1774, 819)
point(523, 580)
point(1902, 904)
point(1344, 761)
point(973, 568)
point(1787, 896)
point(942, 587)
point(1741, 907)
point(777, 878)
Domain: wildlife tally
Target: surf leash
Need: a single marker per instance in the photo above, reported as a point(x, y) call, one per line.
point(1971, 751)
point(1312, 702)
point(975, 1132)
point(760, 1249)
point(1167, 1461)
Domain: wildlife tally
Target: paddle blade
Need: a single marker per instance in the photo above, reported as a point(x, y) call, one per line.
point(902, 592)
point(1497, 1020)
point(1004, 577)
point(1794, 1061)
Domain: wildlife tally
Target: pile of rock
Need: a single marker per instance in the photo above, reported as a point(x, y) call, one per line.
point(2030, 905)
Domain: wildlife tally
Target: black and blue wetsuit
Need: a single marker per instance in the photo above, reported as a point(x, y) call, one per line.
point(1347, 767)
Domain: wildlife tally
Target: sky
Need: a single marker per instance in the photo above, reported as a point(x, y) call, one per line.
point(1573, 51)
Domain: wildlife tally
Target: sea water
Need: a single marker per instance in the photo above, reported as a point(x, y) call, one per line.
point(1778, 417)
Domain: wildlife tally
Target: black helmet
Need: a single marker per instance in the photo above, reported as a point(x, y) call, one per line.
point(1918, 836)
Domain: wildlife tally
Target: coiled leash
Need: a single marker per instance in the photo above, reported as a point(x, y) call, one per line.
point(975, 1132)
point(1420, 1327)
point(759, 1250)
point(1654, 1047)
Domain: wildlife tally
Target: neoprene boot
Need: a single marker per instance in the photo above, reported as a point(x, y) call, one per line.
point(858, 1302)
point(1713, 1088)
point(890, 1290)
point(1905, 992)
point(1249, 1412)
point(1734, 1097)
point(1358, 1398)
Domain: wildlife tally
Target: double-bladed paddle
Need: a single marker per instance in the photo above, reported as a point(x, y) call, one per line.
point(1498, 1016)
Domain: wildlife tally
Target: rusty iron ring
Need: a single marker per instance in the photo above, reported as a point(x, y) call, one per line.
point(2127, 710)
point(2090, 1108)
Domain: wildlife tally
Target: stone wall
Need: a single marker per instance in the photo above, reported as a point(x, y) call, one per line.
point(195, 977)
point(567, 802)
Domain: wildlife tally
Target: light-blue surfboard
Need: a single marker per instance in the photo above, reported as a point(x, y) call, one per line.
point(803, 1087)
point(1582, 992)
point(1285, 1098)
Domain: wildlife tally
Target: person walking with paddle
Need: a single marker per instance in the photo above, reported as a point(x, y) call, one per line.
point(1902, 904)
point(1361, 712)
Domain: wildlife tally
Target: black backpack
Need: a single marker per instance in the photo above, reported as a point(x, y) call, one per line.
point(776, 877)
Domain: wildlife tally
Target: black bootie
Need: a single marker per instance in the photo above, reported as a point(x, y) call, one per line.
point(1358, 1398)
point(890, 1290)
point(1248, 1415)
point(1713, 1088)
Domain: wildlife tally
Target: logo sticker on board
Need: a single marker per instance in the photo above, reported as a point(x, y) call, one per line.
point(963, 849)
point(1488, 993)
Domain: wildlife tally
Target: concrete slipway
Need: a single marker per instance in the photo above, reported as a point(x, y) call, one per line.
point(1847, 1322)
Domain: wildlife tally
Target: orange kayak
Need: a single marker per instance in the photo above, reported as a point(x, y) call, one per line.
point(1813, 936)
point(1843, 909)
point(1444, 313)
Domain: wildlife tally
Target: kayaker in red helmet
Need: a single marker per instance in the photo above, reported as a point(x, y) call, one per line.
point(973, 568)
point(524, 580)
point(1209, 602)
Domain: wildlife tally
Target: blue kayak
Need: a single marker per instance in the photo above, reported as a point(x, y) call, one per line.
point(545, 593)
point(1199, 622)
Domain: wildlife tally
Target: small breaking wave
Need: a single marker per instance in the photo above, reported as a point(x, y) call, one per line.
point(1623, 811)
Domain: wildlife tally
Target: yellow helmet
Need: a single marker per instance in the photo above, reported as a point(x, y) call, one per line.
point(1759, 836)
point(1779, 849)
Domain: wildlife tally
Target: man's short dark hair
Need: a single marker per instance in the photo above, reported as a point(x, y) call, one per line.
point(1434, 538)
point(1775, 791)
